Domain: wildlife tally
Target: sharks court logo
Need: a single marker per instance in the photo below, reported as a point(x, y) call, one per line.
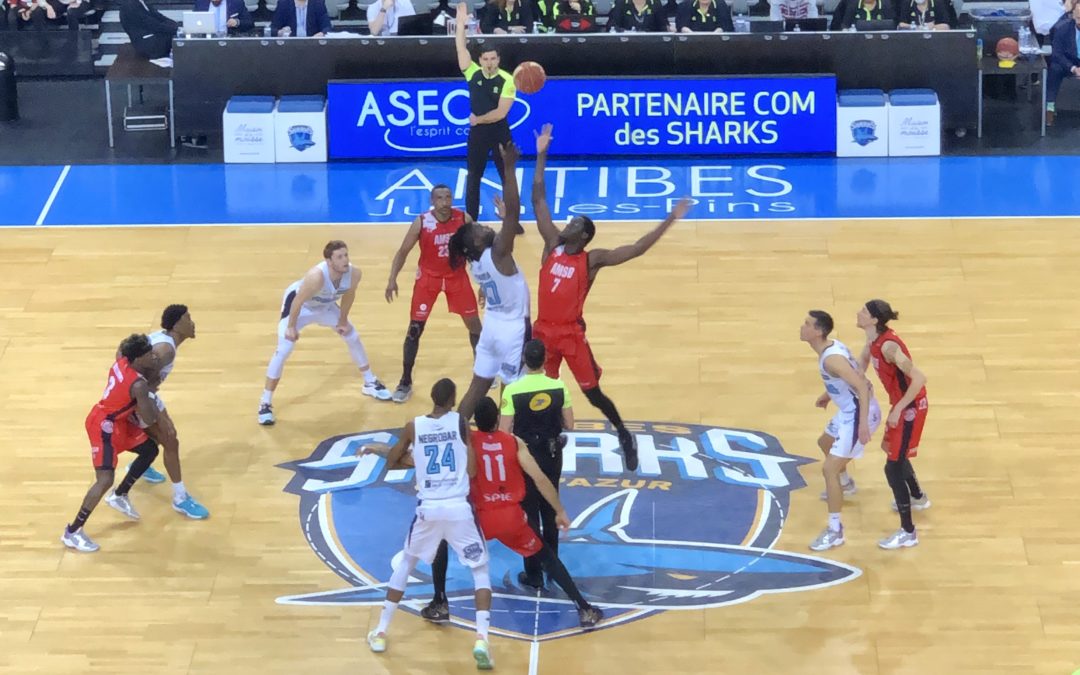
point(693, 528)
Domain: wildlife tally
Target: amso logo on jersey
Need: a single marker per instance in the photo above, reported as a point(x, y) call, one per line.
point(693, 528)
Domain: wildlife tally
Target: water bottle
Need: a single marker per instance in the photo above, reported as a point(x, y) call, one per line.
point(797, 29)
point(180, 32)
point(979, 48)
point(266, 31)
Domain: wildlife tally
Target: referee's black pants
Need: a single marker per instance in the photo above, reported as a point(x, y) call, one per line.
point(541, 515)
point(484, 139)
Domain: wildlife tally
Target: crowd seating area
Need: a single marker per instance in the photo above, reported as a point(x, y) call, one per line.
point(102, 23)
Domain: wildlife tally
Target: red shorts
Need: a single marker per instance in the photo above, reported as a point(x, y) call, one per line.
point(510, 526)
point(109, 438)
point(568, 341)
point(903, 439)
point(460, 298)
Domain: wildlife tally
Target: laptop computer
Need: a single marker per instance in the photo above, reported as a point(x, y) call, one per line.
point(875, 25)
point(816, 25)
point(417, 24)
point(766, 26)
point(199, 23)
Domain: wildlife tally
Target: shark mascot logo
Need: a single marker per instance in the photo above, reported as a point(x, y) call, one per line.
point(693, 528)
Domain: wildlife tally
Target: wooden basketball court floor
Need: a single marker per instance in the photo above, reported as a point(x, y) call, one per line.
point(702, 330)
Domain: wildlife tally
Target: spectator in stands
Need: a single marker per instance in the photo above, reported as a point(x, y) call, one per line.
point(300, 18)
point(1064, 59)
point(866, 10)
point(76, 10)
point(383, 15)
point(507, 16)
point(230, 16)
point(704, 16)
point(575, 8)
point(930, 14)
point(641, 16)
point(544, 12)
point(23, 14)
point(151, 32)
point(788, 10)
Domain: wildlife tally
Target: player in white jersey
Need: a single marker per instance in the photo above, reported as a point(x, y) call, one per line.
point(437, 444)
point(849, 430)
point(506, 326)
point(314, 299)
point(176, 327)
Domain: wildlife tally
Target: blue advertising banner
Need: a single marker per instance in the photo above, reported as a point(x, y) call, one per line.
point(593, 116)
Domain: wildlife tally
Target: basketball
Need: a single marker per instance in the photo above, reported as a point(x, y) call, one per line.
point(1007, 49)
point(529, 77)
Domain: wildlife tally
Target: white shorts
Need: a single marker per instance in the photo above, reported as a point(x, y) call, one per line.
point(500, 347)
point(453, 521)
point(325, 315)
point(842, 427)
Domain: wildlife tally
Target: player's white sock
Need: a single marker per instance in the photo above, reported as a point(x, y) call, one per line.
point(179, 492)
point(844, 478)
point(369, 376)
point(387, 613)
point(483, 621)
point(834, 522)
point(266, 397)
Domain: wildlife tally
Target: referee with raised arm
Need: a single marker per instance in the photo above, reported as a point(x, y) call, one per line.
point(536, 409)
point(491, 93)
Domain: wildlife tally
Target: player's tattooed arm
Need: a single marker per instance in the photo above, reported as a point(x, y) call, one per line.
point(144, 404)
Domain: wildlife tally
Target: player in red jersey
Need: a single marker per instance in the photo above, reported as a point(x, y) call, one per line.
point(502, 461)
point(112, 430)
point(906, 386)
point(566, 275)
point(433, 276)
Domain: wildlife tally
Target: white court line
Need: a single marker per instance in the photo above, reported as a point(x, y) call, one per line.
point(52, 195)
point(714, 221)
point(534, 656)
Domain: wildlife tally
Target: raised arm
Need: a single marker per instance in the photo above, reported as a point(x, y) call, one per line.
point(548, 231)
point(616, 256)
point(464, 60)
point(503, 248)
point(407, 244)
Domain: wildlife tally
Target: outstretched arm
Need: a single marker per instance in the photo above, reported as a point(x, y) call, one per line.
point(547, 228)
point(463, 58)
point(607, 257)
point(503, 247)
